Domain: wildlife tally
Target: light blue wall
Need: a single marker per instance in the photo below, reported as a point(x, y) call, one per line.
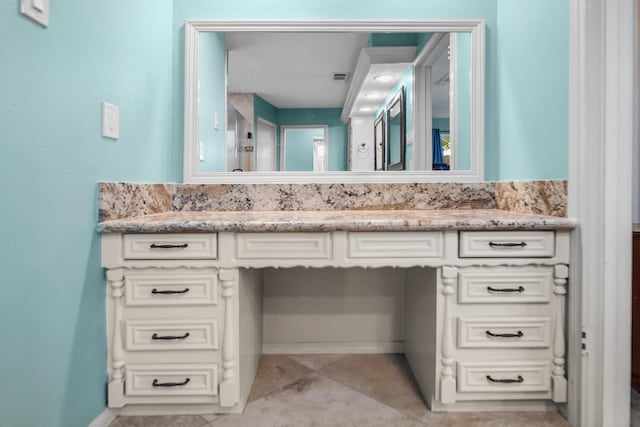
point(338, 143)
point(299, 148)
point(53, 81)
point(212, 100)
point(533, 91)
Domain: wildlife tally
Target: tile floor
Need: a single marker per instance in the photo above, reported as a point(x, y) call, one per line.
point(365, 390)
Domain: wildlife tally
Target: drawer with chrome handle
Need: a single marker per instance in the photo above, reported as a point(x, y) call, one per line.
point(504, 332)
point(491, 285)
point(506, 244)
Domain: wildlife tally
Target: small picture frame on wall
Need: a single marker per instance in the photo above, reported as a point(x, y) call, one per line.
point(379, 143)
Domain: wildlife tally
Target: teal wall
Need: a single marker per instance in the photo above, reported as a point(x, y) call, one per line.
point(338, 142)
point(532, 67)
point(53, 81)
point(393, 39)
point(299, 148)
point(212, 100)
point(442, 124)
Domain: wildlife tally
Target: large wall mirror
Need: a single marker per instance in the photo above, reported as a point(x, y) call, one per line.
point(309, 101)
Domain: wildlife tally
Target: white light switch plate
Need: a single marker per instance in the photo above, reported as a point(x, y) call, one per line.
point(37, 10)
point(110, 121)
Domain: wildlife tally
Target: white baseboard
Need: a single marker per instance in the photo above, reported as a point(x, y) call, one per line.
point(332, 347)
point(104, 419)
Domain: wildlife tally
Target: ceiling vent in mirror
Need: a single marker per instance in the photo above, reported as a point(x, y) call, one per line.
point(342, 77)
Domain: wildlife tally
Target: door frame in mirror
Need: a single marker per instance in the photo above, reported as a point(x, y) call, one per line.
point(398, 98)
point(191, 78)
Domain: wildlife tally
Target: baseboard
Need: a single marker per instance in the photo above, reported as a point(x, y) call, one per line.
point(496, 406)
point(104, 419)
point(333, 347)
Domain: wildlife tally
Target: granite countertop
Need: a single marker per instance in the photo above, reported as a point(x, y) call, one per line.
point(346, 220)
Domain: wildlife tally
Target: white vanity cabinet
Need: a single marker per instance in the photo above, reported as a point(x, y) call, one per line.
point(483, 312)
point(499, 311)
point(173, 325)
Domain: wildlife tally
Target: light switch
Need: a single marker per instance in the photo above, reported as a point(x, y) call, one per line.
point(37, 10)
point(110, 121)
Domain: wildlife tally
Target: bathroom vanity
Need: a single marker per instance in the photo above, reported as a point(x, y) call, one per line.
point(484, 323)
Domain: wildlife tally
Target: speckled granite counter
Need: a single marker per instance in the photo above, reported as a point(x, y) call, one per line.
point(355, 220)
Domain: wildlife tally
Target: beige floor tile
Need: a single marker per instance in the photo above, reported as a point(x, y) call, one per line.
point(209, 418)
point(316, 361)
point(316, 401)
point(497, 419)
point(275, 372)
point(160, 421)
point(384, 377)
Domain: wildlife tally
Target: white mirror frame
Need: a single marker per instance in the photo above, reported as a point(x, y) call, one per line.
point(191, 175)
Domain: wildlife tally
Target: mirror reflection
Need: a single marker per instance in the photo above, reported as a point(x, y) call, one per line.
point(324, 101)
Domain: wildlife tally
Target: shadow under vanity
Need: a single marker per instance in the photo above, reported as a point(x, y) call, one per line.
point(467, 280)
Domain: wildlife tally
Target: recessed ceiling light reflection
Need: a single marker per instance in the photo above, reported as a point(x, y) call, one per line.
point(365, 109)
point(373, 95)
point(384, 78)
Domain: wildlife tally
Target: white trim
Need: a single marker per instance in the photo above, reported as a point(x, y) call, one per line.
point(453, 98)
point(190, 162)
point(601, 63)
point(105, 418)
point(283, 140)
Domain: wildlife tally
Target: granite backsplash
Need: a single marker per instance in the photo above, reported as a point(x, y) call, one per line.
point(122, 200)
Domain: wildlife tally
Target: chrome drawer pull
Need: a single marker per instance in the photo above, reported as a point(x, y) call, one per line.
point(519, 334)
point(181, 246)
point(506, 380)
point(157, 384)
point(170, 337)
point(518, 289)
point(507, 245)
point(155, 291)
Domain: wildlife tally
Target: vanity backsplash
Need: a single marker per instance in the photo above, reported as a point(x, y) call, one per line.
point(123, 200)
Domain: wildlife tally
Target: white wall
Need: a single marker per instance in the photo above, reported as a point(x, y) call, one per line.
point(344, 310)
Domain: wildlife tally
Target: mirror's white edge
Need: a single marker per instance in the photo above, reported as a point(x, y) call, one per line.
point(192, 30)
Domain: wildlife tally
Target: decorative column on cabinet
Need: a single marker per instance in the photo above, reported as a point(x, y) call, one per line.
point(229, 386)
point(560, 278)
point(447, 380)
point(115, 280)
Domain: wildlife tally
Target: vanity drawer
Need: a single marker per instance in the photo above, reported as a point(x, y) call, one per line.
point(141, 335)
point(506, 244)
point(171, 380)
point(501, 332)
point(491, 285)
point(170, 246)
point(283, 246)
point(171, 287)
point(488, 377)
point(395, 245)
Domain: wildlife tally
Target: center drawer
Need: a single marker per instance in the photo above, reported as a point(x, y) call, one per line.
point(504, 332)
point(395, 245)
point(283, 246)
